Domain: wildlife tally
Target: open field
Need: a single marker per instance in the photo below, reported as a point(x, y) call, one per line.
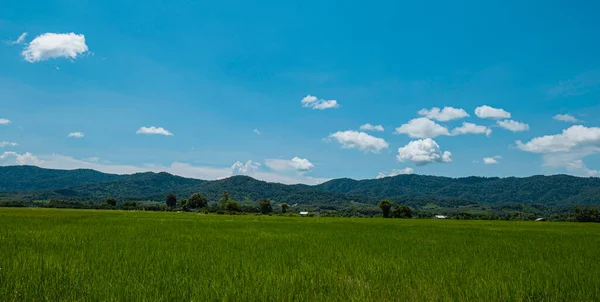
point(48, 254)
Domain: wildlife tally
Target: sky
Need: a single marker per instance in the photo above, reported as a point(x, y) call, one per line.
point(302, 92)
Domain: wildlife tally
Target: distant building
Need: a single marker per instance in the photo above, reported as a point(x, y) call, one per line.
point(303, 213)
point(439, 217)
point(541, 219)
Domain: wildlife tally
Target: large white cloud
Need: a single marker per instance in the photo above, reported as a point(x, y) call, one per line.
point(7, 144)
point(444, 115)
point(422, 152)
point(154, 130)
point(359, 140)
point(4, 121)
point(566, 118)
point(313, 102)
point(513, 126)
point(566, 149)
point(239, 168)
point(52, 45)
point(422, 127)
point(470, 128)
point(491, 112)
point(369, 127)
point(396, 172)
point(19, 159)
point(296, 164)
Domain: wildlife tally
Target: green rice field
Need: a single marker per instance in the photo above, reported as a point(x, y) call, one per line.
point(93, 255)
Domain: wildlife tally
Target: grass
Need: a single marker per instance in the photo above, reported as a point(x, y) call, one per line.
point(92, 255)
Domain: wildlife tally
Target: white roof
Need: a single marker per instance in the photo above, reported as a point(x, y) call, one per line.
point(303, 213)
point(440, 216)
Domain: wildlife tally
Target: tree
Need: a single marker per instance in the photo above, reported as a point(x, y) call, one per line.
point(385, 206)
point(402, 212)
point(111, 201)
point(265, 206)
point(171, 200)
point(232, 205)
point(197, 201)
point(225, 197)
point(284, 207)
point(183, 204)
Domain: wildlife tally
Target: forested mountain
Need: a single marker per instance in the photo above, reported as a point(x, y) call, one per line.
point(33, 183)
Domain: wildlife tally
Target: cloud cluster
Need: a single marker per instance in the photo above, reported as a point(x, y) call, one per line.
point(513, 126)
point(359, 140)
point(369, 127)
point(443, 115)
point(396, 172)
point(422, 127)
point(239, 168)
point(422, 152)
point(486, 111)
point(566, 118)
point(52, 46)
point(19, 159)
point(295, 164)
point(76, 135)
point(491, 160)
point(154, 130)
point(313, 102)
point(470, 128)
point(4, 121)
point(7, 144)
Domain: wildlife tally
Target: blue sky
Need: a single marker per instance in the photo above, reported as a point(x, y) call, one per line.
point(212, 73)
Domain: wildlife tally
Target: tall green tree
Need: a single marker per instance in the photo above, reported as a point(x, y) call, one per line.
point(232, 205)
point(225, 197)
point(385, 206)
point(171, 200)
point(111, 201)
point(284, 207)
point(402, 212)
point(265, 206)
point(197, 201)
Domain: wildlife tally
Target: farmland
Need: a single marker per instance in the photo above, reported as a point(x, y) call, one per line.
point(49, 254)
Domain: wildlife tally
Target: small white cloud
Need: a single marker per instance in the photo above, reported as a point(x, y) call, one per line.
point(422, 152)
point(443, 115)
point(52, 46)
point(566, 118)
point(7, 144)
point(19, 40)
point(513, 126)
point(76, 134)
point(20, 159)
point(313, 102)
point(256, 131)
point(470, 128)
point(239, 168)
point(296, 163)
point(153, 130)
point(396, 172)
point(369, 127)
point(491, 160)
point(422, 127)
point(4, 121)
point(490, 112)
point(359, 140)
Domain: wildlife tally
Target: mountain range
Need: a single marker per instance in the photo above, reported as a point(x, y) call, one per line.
point(28, 183)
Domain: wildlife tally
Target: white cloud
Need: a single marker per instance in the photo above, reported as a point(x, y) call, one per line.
point(490, 112)
point(4, 121)
point(369, 127)
point(296, 163)
point(396, 172)
point(470, 128)
point(422, 152)
point(76, 134)
point(256, 131)
point(7, 144)
point(52, 46)
point(491, 160)
point(422, 127)
point(240, 168)
point(359, 140)
point(153, 130)
point(20, 159)
point(443, 115)
point(567, 149)
point(313, 102)
point(19, 40)
point(566, 118)
point(513, 126)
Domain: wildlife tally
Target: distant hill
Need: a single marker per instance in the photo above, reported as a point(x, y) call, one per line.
point(33, 183)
